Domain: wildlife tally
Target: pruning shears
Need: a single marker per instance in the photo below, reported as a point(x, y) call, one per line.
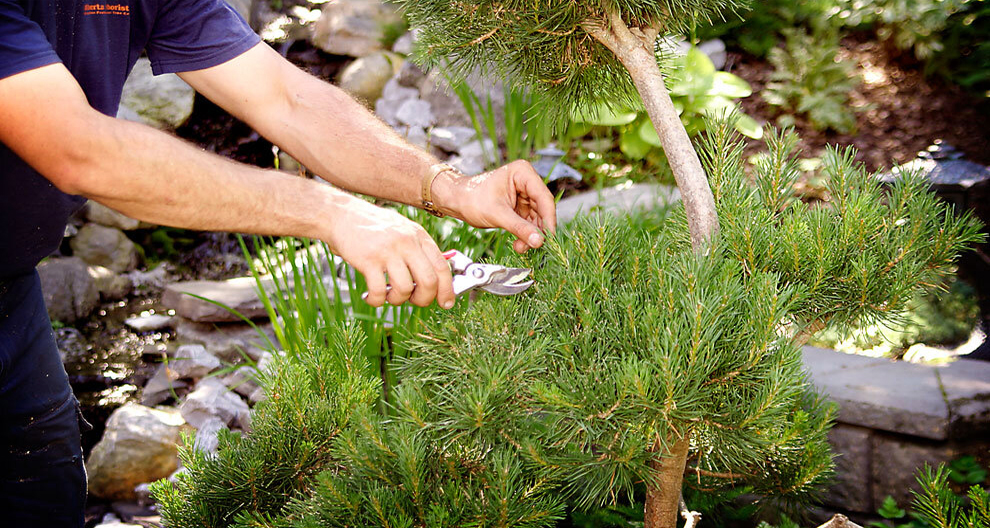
point(492, 278)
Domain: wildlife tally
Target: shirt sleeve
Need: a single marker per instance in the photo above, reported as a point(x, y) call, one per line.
point(192, 35)
point(23, 45)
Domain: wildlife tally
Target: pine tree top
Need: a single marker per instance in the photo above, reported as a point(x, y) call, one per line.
point(544, 45)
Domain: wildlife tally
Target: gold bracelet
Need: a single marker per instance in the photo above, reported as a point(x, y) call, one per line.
point(431, 175)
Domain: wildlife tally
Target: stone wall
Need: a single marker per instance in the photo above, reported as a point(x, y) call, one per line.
point(896, 416)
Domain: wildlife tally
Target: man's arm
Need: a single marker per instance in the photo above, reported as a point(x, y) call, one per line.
point(342, 142)
point(46, 119)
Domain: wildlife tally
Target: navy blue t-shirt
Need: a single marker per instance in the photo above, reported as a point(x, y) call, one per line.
point(99, 43)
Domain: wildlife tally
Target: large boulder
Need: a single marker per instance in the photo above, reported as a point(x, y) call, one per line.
point(105, 246)
point(138, 445)
point(103, 215)
point(240, 294)
point(353, 27)
point(163, 101)
point(70, 292)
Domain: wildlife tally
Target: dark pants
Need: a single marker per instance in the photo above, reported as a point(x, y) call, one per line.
point(42, 478)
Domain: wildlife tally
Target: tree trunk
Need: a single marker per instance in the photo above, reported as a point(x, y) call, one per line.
point(635, 48)
point(663, 500)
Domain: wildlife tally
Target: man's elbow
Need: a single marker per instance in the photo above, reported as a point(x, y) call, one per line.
point(77, 162)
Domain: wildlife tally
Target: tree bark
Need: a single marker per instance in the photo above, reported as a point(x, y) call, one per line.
point(635, 49)
point(663, 500)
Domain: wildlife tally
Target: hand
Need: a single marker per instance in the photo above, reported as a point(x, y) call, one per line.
point(512, 197)
point(376, 241)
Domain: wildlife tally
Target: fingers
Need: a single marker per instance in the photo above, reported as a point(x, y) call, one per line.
point(376, 287)
point(445, 281)
point(540, 198)
point(400, 283)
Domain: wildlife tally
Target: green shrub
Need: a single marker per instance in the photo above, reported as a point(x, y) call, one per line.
point(809, 79)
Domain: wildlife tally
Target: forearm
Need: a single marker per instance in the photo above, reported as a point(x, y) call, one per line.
point(154, 177)
point(341, 141)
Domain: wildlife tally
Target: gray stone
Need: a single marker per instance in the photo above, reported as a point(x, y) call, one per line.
point(117, 524)
point(153, 279)
point(105, 246)
point(415, 135)
point(553, 169)
point(416, 112)
point(446, 105)
point(388, 111)
point(138, 445)
point(240, 294)
point(229, 342)
point(143, 492)
point(352, 27)
point(103, 215)
point(715, 49)
point(393, 91)
point(112, 287)
point(163, 101)
point(365, 78)
point(471, 167)
point(212, 399)
point(621, 199)
point(452, 138)
point(966, 385)
point(242, 381)
point(207, 440)
point(895, 466)
point(162, 385)
point(851, 489)
point(149, 323)
point(890, 396)
point(69, 291)
point(410, 75)
point(257, 396)
point(192, 362)
point(72, 346)
point(405, 43)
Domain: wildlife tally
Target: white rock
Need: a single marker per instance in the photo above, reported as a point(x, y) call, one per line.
point(470, 166)
point(416, 112)
point(404, 44)
point(148, 323)
point(206, 437)
point(622, 199)
point(452, 138)
point(388, 110)
point(257, 396)
point(193, 361)
point(163, 101)
point(138, 445)
point(242, 381)
point(161, 386)
point(394, 91)
point(211, 399)
point(366, 77)
point(415, 135)
point(715, 49)
point(229, 342)
point(103, 215)
point(352, 27)
point(240, 294)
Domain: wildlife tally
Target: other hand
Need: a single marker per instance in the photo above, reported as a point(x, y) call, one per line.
point(378, 241)
point(512, 197)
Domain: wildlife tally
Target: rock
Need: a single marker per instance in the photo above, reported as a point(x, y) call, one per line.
point(148, 323)
point(552, 167)
point(447, 107)
point(131, 511)
point(365, 78)
point(388, 111)
point(112, 287)
point(895, 466)
point(105, 246)
point(192, 362)
point(715, 49)
point(415, 135)
point(240, 294)
point(242, 381)
point(72, 346)
point(257, 396)
point(211, 399)
point(70, 292)
point(163, 101)
point(393, 91)
point(470, 167)
point(410, 75)
point(143, 492)
point(416, 112)
point(404, 44)
point(229, 342)
point(850, 489)
point(353, 27)
point(105, 216)
point(163, 385)
point(138, 445)
point(452, 138)
point(620, 199)
point(153, 279)
point(207, 440)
